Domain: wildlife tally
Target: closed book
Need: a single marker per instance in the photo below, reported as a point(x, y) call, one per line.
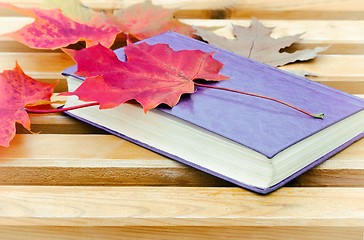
point(255, 143)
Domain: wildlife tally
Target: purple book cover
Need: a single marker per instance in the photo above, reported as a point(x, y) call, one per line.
point(264, 126)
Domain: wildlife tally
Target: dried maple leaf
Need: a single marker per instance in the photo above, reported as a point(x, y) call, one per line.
point(52, 30)
point(152, 74)
point(255, 42)
point(144, 20)
point(18, 91)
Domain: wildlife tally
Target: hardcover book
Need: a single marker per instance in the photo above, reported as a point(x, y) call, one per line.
point(257, 144)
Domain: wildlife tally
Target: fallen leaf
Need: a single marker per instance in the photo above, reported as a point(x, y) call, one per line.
point(144, 20)
point(17, 91)
point(152, 74)
point(52, 30)
point(255, 42)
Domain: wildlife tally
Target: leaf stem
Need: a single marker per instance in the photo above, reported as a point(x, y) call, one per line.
point(57, 110)
point(318, 116)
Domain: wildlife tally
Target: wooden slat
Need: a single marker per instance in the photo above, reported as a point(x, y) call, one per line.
point(63, 124)
point(319, 31)
point(177, 232)
point(348, 32)
point(41, 63)
point(179, 206)
point(343, 72)
point(83, 160)
point(50, 65)
point(332, 65)
point(344, 169)
point(57, 123)
point(120, 4)
point(343, 37)
point(8, 45)
point(296, 9)
point(77, 182)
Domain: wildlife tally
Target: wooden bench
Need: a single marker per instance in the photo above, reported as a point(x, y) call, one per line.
point(73, 181)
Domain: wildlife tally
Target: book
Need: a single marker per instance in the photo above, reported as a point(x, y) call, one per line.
point(257, 144)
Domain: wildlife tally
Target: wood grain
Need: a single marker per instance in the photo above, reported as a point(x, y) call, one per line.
point(57, 123)
point(73, 181)
point(341, 30)
point(343, 72)
point(63, 124)
point(295, 9)
point(62, 159)
point(49, 65)
point(160, 233)
point(180, 206)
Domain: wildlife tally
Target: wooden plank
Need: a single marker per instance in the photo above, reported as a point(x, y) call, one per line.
point(343, 72)
point(142, 195)
point(117, 4)
point(63, 124)
point(176, 232)
point(344, 35)
point(43, 66)
point(180, 206)
point(83, 160)
point(57, 123)
point(329, 69)
point(30, 160)
point(337, 71)
point(40, 62)
point(352, 85)
point(296, 9)
point(9, 45)
point(332, 65)
point(10, 24)
point(344, 169)
point(329, 32)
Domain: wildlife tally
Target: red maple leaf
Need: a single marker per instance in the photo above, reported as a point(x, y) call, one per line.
point(152, 74)
point(18, 91)
point(52, 30)
point(144, 20)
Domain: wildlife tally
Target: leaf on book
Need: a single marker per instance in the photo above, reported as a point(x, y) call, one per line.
point(256, 43)
point(17, 91)
point(152, 74)
point(144, 20)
